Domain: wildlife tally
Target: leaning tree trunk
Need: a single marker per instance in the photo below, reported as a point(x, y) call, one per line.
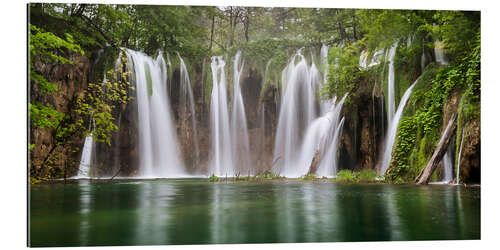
point(424, 177)
point(314, 164)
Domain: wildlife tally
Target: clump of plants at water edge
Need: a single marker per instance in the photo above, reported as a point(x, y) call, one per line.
point(308, 177)
point(214, 178)
point(364, 176)
point(268, 176)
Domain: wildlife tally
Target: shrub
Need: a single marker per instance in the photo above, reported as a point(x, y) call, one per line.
point(346, 176)
point(213, 178)
point(308, 177)
point(367, 175)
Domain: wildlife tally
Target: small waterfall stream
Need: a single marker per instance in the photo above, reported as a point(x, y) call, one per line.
point(239, 131)
point(391, 101)
point(86, 158)
point(448, 166)
point(438, 51)
point(460, 155)
point(186, 93)
point(392, 129)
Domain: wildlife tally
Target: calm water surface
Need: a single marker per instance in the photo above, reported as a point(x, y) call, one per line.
point(152, 212)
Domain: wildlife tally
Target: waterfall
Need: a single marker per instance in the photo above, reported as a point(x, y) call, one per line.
point(363, 58)
point(423, 60)
point(296, 112)
point(86, 158)
point(221, 158)
point(438, 51)
point(328, 165)
point(391, 102)
point(392, 130)
point(377, 58)
point(262, 142)
point(300, 133)
point(159, 154)
point(448, 166)
point(186, 93)
point(239, 131)
point(324, 104)
point(460, 155)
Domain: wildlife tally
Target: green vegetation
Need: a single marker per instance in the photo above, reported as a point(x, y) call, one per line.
point(308, 177)
point(268, 175)
point(214, 178)
point(260, 177)
point(363, 176)
point(420, 130)
point(91, 112)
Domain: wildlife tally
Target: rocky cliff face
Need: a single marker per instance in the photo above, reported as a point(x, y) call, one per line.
point(71, 80)
point(364, 125)
point(470, 163)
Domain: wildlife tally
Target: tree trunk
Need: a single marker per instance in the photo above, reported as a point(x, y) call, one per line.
point(314, 163)
point(354, 27)
point(246, 23)
point(424, 177)
point(212, 32)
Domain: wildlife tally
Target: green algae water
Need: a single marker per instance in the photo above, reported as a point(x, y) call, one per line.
point(191, 211)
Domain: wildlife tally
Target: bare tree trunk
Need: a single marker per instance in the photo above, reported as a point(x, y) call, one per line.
point(231, 28)
point(354, 27)
point(424, 177)
point(314, 163)
point(246, 23)
point(212, 32)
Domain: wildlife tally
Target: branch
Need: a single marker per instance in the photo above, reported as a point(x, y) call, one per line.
point(95, 27)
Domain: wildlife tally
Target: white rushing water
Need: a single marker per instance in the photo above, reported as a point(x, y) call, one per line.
point(186, 94)
point(300, 133)
point(221, 156)
point(159, 154)
point(448, 166)
point(392, 129)
point(363, 59)
point(391, 101)
point(438, 51)
point(376, 58)
point(460, 155)
point(239, 131)
point(86, 158)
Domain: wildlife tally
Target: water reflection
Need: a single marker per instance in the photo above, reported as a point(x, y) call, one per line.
point(199, 212)
point(393, 214)
point(153, 215)
point(85, 202)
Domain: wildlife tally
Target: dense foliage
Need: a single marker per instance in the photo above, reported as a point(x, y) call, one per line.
point(97, 102)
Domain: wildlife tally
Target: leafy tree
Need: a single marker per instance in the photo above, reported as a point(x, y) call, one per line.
point(95, 105)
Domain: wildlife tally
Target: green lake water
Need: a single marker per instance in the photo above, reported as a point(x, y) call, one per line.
point(191, 211)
